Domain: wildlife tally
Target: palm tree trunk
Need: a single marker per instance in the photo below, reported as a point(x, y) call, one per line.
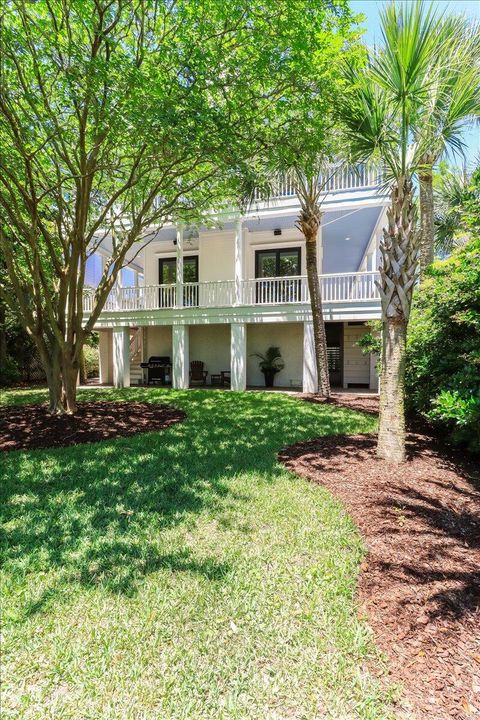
point(320, 339)
point(391, 433)
point(398, 273)
point(427, 227)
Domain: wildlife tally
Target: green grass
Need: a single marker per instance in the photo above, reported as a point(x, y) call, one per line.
point(184, 574)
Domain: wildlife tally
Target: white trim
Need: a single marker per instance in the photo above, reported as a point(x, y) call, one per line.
point(373, 240)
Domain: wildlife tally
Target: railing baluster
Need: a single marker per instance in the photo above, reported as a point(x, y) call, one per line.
point(357, 286)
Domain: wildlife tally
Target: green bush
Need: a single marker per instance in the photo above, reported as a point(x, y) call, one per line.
point(9, 372)
point(90, 355)
point(443, 347)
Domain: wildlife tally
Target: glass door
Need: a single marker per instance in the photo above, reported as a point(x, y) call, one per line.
point(168, 276)
point(282, 263)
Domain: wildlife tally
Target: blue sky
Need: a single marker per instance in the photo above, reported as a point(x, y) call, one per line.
point(471, 8)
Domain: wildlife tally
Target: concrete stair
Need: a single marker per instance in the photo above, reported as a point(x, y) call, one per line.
point(136, 374)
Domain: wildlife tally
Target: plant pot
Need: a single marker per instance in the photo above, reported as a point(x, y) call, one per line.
point(269, 376)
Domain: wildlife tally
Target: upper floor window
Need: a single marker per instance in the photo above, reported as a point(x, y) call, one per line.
point(278, 263)
point(168, 270)
point(128, 277)
point(93, 270)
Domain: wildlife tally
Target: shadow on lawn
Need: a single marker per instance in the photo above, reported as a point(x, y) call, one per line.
point(100, 514)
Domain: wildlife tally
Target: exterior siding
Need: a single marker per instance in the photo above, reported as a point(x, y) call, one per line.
point(356, 365)
point(158, 341)
point(289, 338)
point(211, 344)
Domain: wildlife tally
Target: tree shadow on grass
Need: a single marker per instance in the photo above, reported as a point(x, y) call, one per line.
point(100, 514)
point(111, 567)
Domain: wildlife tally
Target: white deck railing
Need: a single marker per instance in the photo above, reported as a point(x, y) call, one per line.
point(344, 287)
point(335, 178)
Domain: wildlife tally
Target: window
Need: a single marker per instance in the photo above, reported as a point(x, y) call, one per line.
point(283, 263)
point(128, 277)
point(168, 270)
point(93, 270)
point(277, 263)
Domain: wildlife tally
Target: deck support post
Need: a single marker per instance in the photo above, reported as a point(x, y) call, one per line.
point(121, 357)
point(180, 349)
point(310, 380)
point(238, 356)
point(179, 268)
point(104, 356)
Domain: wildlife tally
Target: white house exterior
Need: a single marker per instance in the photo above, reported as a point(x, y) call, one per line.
point(220, 295)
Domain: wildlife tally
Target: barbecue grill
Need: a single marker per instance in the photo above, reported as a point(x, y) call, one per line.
point(158, 369)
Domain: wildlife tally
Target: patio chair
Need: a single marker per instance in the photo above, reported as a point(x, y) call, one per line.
point(197, 374)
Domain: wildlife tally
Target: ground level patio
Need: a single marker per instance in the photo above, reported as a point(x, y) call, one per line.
point(229, 355)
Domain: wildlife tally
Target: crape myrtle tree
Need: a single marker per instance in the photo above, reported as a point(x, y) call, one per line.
point(116, 117)
point(381, 115)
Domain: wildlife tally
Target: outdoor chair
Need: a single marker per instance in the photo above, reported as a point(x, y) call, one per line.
point(197, 374)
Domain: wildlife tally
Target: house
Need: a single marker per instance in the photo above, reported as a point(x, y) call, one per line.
point(220, 294)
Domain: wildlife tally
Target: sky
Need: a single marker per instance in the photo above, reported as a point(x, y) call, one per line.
point(471, 8)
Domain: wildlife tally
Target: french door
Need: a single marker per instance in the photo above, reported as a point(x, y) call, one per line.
point(280, 263)
point(167, 272)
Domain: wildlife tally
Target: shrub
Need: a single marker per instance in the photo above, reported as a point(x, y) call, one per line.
point(90, 355)
point(9, 372)
point(443, 346)
point(461, 413)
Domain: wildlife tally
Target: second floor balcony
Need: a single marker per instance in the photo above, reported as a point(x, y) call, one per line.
point(356, 287)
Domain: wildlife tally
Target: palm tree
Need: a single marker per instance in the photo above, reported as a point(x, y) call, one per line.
point(309, 182)
point(309, 188)
point(454, 193)
point(451, 101)
point(380, 112)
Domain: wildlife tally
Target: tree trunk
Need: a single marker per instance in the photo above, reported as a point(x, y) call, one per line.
point(398, 273)
point(61, 373)
point(83, 368)
point(51, 366)
point(3, 336)
point(391, 434)
point(427, 226)
point(70, 370)
point(320, 339)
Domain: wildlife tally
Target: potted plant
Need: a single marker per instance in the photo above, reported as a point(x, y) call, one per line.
point(270, 364)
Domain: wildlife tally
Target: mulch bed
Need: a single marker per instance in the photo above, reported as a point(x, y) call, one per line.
point(25, 427)
point(420, 583)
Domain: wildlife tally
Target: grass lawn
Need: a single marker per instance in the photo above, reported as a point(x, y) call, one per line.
point(184, 574)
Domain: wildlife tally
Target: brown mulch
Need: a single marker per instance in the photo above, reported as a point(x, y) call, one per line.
point(420, 583)
point(25, 427)
point(364, 403)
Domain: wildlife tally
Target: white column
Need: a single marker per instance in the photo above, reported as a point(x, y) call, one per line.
point(179, 273)
point(181, 368)
point(238, 356)
point(320, 251)
point(239, 261)
point(104, 356)
point(310, 381)
point(373, 384)
point(121, 357)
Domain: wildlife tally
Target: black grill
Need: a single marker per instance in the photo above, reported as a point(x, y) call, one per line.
point(158, 369)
